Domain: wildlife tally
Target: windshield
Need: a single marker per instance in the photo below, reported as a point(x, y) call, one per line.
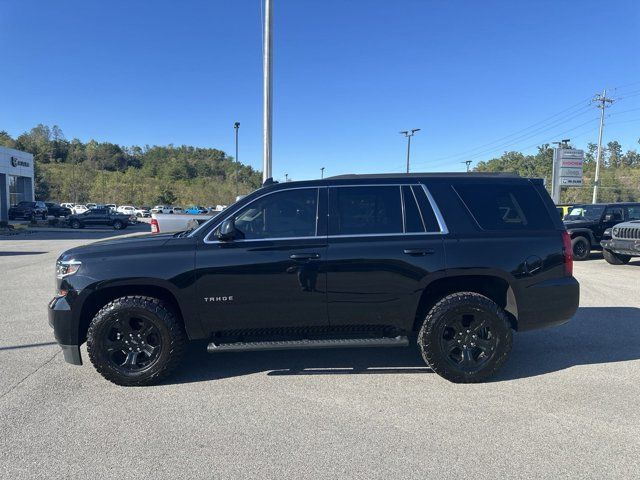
point(585, 212)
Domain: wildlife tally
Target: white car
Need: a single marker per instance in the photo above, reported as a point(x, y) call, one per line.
point(77, 209)
point(67, 205)
point(128, 209)
point(177, 209)
point(162, 209)
point(142, 212)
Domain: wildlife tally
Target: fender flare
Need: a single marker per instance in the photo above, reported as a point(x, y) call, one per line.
point(583, 232)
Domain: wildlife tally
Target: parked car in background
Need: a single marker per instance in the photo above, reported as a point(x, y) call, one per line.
point(144, 212)
point(57, 210)
point(586, 224)
point(128, 209)
point(177, 209)
point(68, 205)
point(28, 211)
point(162, 209)
point(112, 206)
point(78, 209)
point(166, 223)
point(196, 210)
point(621, 242)
point(91, 205)
point(100, 216)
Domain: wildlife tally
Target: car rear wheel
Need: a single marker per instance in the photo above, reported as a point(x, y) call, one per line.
point(615, 258)
point(135, 340)
point(465, 338)
point(581, 248)
point(75, 224)
point(118, 225)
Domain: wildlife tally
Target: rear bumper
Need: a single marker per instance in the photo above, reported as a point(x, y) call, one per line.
point(623, 247)
point(548, 303)
point(64, 329)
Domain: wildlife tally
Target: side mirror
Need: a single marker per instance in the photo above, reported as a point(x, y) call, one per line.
point(227, 230)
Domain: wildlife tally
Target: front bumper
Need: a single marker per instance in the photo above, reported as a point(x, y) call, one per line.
point(548, 303)
point(622, 246)
point(64, 329)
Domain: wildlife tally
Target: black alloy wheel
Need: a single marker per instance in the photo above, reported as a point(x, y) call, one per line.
point(132, 343)
point(581, 248)
point(466, 337)
point(75, 224)
point(135, 340)
point(118, 225)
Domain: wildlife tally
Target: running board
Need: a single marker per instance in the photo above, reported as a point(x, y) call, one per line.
point(399, 341)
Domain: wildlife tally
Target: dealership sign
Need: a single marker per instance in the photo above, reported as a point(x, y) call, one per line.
point(16, 162)
point(569, 164)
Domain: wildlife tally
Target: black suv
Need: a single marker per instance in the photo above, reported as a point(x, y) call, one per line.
point(28, 210)
point(454, 262)
point(587, 224)
point(57, 210)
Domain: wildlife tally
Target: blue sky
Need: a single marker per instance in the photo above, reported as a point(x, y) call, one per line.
point(348, 76)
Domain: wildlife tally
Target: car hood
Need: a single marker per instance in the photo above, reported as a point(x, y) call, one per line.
point(579, 223)
point(119, 245)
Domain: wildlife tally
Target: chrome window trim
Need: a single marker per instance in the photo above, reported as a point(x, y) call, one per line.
point(441, 223)
point(434, 207)
point(424, 224)
point(404, 221)
point(206, 239)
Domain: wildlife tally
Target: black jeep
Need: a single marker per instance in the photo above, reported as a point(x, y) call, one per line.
point(587, 223)
point(454, 262)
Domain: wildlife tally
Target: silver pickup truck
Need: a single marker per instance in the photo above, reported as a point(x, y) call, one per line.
point(173, 222)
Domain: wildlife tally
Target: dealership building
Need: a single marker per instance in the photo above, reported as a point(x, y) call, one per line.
point(16, 179)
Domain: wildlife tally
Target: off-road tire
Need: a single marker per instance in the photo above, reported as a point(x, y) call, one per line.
point(581, 248)
point(430, 332)
point(173, 340)
point(615, 258)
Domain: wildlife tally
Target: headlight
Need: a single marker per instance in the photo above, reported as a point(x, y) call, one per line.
point(607, 232)
point(65, 268)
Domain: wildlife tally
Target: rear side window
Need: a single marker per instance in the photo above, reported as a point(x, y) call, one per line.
point(505, 207)
point(365, 210)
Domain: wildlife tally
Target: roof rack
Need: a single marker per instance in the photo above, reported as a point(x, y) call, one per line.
point(418, 175)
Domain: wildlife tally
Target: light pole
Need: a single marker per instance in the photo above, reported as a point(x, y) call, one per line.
point(236, 127)
point(468, 162)
point(409, 134)
point(286, 177)
point(267, 89)
point(321, 172)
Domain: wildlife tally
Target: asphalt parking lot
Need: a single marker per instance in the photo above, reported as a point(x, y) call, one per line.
point(565, 405)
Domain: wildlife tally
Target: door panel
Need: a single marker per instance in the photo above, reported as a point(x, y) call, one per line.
point(261, 284)
point(371, 280)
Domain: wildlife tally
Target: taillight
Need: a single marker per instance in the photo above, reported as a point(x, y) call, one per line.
point(155, 228)
point(568, 254)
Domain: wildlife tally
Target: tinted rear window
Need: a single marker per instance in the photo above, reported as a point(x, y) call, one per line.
point(505, 207)
point(365, 210)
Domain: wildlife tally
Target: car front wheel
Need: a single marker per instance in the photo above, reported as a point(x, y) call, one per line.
point(75, 224)
point(465, 338)
point(581, 248)
point(615, 258)
point(118, 225)
point(135, 340)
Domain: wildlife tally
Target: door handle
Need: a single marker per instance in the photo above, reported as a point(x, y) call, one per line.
point(418, 252)
point(304, 256)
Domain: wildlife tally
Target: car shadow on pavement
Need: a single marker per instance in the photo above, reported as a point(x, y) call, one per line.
point(595, 335)
point(201, 366)
point(15, 254)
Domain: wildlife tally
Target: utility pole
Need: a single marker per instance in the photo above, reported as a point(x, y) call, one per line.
point(236, 127)
point(602, 100)
point(468, 162)
point(409, 134)
point(321, 172)
point(267, 92)
point(286, 177)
